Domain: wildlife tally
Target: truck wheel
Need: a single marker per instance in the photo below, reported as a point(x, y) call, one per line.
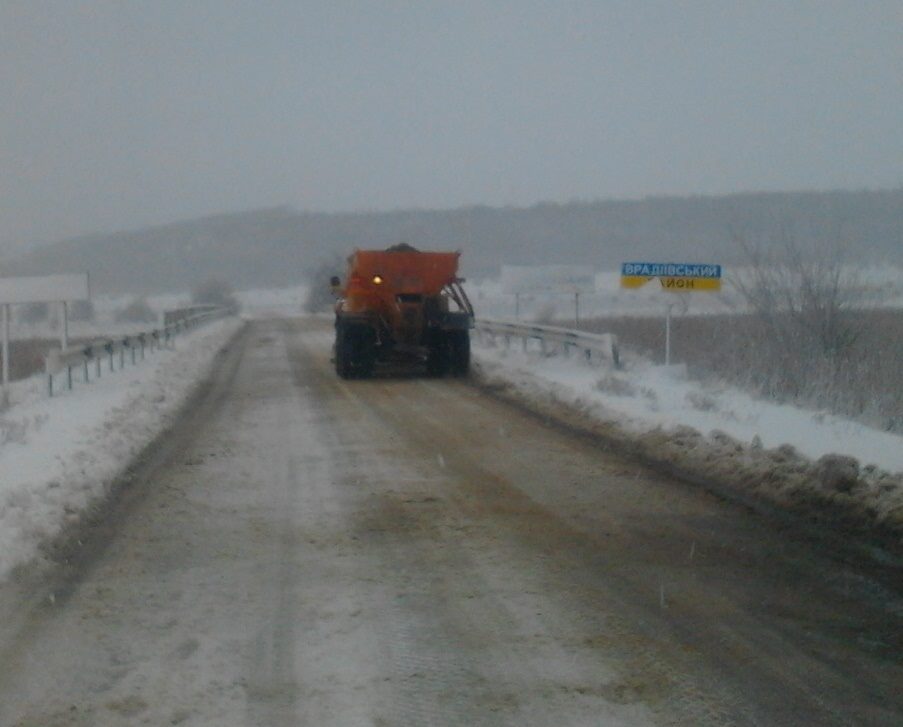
point(364, 351)
point(438, 357)
point(342, 352)
point(459, 345)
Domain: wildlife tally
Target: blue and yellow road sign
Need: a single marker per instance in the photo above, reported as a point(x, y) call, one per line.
point(675, 277)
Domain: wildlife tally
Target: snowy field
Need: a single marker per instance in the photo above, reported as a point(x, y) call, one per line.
point(59, 455)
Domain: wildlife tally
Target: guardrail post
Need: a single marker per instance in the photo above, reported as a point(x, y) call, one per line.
point(79, 357)
point(4, 377)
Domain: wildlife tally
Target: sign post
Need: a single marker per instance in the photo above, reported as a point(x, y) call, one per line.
point(64, 329)
point(668, 334)
point(674, 278)
point(5, 395)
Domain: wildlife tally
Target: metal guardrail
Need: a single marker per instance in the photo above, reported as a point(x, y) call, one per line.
point(105, 352)
point(600, 344)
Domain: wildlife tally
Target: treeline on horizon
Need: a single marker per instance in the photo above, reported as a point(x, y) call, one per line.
point(279, 246)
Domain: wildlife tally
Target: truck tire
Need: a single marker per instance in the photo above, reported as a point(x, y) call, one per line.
point(355, 351)
point(364, 352)
point(342, 352)
point(459, 352)
point(437, 359)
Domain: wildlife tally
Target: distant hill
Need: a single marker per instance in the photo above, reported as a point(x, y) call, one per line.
point(278, 246)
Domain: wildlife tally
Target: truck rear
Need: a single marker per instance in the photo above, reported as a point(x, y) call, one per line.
point(403, 306)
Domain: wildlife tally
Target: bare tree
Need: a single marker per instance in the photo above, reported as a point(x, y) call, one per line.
point(136, 311)
point(805, 304)
point(802, 293)
point(82, 310)
point(32, 313)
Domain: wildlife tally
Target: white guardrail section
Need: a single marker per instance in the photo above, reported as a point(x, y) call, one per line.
point(602, 345)
point(105, 353)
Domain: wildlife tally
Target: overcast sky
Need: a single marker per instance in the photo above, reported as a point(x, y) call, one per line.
point(117, 114)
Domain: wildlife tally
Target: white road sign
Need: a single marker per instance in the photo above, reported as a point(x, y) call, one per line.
point(63, 288)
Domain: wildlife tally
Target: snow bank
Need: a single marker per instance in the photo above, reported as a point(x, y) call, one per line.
point(787, 455)
point(59, 455)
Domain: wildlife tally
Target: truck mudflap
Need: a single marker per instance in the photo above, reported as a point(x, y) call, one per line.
point(448, 352)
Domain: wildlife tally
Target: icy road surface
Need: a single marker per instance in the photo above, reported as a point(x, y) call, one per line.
point(403, 551)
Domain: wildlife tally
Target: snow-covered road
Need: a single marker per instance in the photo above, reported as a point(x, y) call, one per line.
point(402, 551)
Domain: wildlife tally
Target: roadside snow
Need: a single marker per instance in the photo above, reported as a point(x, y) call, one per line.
point(648, 396)
point(59, 455)
point(787, 454)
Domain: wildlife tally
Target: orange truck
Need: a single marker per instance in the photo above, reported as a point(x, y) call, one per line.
point(403, 306)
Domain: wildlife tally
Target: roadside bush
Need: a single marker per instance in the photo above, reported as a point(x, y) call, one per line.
point(809, 334)
point(138, 311)
point(806, 305)
point(27, 356)
point(547, 314)
point(215, 291)
point(866, 383)
point(81, 310)
point(320, 298)
point(32, 313)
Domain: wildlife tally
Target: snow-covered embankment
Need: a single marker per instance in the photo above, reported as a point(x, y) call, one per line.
point(60, 455)
point(758, 450)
